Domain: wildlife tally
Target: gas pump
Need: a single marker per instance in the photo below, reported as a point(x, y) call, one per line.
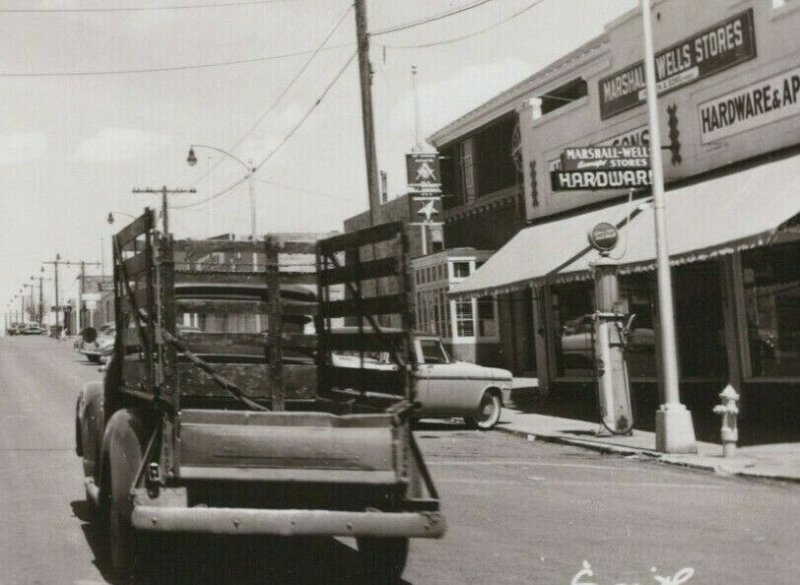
point(611, 330)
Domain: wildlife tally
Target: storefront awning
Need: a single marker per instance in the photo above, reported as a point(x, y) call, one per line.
point(538, 252)
point(705, 220)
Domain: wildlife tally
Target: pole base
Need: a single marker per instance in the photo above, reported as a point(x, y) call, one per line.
point(675, 430)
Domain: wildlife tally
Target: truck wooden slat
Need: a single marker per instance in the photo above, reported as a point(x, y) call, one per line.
point(365, 270)
point(135, 265)
point(383, 305)
point(388, 341)
point(371, 235)
point(217, 277)
point(135, 229)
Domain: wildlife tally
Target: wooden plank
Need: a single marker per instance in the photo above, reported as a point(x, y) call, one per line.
point(136, 265)
point(370, 235)
point(134, 229)
point(368, 341)
point(383, 305)
point(289, 277)
point(363, 271)
point(199, 248)
point(299, 380)
point(365, 379)
point(224, 343)
point(221, 306)
point(218, 277)
point(298, 340)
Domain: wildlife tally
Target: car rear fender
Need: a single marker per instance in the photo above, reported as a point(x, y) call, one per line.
point(89, 428)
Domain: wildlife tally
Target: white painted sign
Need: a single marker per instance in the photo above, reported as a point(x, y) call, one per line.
point(749, 107)
point(637, 137)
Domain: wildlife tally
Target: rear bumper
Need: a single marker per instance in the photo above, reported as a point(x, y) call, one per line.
point(249, 521)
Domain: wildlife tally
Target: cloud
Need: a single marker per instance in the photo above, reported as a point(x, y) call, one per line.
point(120, 145)
point(21, 148)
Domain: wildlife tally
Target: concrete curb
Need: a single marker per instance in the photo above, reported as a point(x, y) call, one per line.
point(720, 469)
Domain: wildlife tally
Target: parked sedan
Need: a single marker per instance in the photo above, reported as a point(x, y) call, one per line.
point(32, 329)
point(446, 388)
point(98, 345)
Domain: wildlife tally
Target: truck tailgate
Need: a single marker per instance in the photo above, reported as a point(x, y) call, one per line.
point(287, 447)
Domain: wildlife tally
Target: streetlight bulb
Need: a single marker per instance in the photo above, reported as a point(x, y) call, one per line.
point(192, 158)
point(110, 218)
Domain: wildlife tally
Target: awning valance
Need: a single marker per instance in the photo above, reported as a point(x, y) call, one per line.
point(708, 219)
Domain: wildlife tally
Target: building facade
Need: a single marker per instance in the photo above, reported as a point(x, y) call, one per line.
point(728, 74)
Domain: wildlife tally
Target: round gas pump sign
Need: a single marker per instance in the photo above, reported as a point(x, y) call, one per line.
point(603, 236)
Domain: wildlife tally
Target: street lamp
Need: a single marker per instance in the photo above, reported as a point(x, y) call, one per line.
point(191, 160)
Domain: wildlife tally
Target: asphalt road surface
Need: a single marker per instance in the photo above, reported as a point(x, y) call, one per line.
point(518, 512)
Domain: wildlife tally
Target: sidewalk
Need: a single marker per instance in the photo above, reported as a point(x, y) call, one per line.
point(779, 461)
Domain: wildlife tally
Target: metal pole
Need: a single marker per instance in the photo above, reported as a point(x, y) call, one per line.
point(252, 189)
point(417, 133)
point(58, 306)
point(674, 429)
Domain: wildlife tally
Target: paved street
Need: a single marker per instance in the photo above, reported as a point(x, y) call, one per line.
point(519, 512)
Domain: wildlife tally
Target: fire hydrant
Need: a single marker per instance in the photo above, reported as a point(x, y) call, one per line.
point(729, 412)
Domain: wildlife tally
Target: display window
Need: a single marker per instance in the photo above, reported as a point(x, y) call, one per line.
point(771, 279)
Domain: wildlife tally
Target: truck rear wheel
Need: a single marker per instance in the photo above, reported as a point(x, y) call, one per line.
point(383, 558)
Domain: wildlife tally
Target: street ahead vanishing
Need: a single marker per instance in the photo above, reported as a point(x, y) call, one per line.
point(518, 512)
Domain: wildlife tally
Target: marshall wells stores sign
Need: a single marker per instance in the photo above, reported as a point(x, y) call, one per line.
point(710, 51)
point(602, 167)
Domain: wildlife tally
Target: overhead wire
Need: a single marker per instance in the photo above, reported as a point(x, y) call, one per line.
point(285, 139)
point(466, 36)
point(170, 68)
point(429, 19)
point(140, 8)
point(283, 93)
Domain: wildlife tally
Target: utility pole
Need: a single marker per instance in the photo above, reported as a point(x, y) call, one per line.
point(82, 277)
point(365, 76)
point(55, 264)
point(164, 206)
point(674, 428)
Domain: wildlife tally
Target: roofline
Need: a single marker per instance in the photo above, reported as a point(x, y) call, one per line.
point(509, 100)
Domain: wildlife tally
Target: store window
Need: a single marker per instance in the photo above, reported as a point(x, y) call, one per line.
point(638, 291)
point(572, 315)
point(699, 321)
point(772, 305)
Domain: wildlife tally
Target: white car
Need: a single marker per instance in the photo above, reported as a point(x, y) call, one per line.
point(446, 388)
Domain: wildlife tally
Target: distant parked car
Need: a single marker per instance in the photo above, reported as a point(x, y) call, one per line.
point(97, 345)
point(32, 329)
point(445, 388)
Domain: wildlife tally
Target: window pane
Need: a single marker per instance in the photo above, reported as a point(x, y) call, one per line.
point(464, 323)
point(432, 351)
point(772, 300)
point(460, 269)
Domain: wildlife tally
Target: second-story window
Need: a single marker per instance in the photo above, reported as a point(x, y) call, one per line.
point(564, 95)
point(468, 179)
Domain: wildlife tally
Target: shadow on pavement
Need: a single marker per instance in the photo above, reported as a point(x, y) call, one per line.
point(235, 560)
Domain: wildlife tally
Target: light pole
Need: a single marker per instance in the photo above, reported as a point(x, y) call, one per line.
point(674, 428)
point(191, 159)
point(40, 312)
point(55, 270)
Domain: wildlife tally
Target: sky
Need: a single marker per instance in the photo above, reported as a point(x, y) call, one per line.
point(101, 97)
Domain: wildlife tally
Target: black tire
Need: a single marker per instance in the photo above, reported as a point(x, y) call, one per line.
point(93, 358)
point(383, 559)
point(488, 413)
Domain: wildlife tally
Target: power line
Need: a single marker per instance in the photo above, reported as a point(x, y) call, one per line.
point(172, 68)
point(285, 138)
point(277, 100)
point(308, 113)
point(139, 8)
point(467, 36)
point(429, 19)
